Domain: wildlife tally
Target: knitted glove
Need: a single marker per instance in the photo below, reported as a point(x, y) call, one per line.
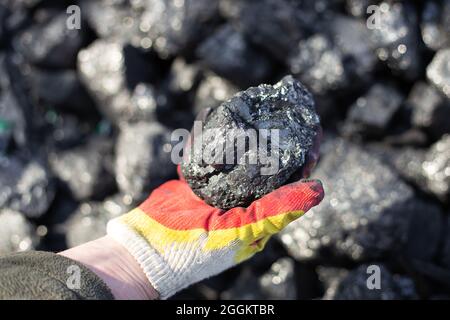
point(179, 240)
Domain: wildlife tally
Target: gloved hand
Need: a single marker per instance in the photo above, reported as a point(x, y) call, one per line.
point(179, 240)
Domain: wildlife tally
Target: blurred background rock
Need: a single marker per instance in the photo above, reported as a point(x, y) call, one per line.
point(84, 115)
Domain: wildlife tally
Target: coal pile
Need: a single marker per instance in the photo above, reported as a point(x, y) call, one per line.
point(86, 116)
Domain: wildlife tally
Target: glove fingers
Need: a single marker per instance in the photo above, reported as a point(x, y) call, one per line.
point(263, 217)
point(277, 209)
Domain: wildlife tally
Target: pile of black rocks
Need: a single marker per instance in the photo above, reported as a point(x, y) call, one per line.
point(85, 113)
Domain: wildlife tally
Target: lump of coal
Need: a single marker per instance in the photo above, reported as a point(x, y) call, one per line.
point(435, 24)
point(436, 169)
point(212, 91)
point(16, 233)
point(396, 39)
point(365, 213)
point(319, 65)
point(25, 186)
point(230, 55)
point(330, 277)
point(428, 170)
point(350, 36)
point(279, 282)
point(5, 135)
point(353, 285)
point(177, 94)
point(50, 43)
point(89, 221)
point(272, 24)
point(371, 114)
point(114, 19)
point(103, 68)
point(430, 109)
point(12, 121)
point(358, 8)
point(445, 252)
point(143, 161)
point(65, 130)
point(3, 16)
point(182, 80)
point(168, 27)
point(15, 107)
point(18, 4)
point(408, 163)
point(438, 71)
point(87, 170)
point(245, 287)
point(62, 90)
point(425, 231)
point(286, 106)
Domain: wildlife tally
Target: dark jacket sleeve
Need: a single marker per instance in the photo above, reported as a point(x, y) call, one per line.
point(45, 275)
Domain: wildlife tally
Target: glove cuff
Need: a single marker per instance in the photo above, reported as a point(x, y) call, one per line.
point(157, 271)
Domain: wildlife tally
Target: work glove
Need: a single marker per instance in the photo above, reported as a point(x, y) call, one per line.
point(179, 240)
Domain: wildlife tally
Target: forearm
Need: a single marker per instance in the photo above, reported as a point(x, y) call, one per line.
point(115, 266)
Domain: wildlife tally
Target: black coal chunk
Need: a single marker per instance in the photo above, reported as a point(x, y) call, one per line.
point(16, 232)
point(430, 109)
point(272, 24)
point(428, 169)
point(108, 70)
point(65, 130)
point(353, 284)
point(5, 135)
point(16, 110)
point(396, 38)
point(435, 24)
point(286, 106)
point(425, 231)
point(358, 8)
point(14, 15)
point(229, 54)
point(3, 16)
point(62, 90)
point(49, 42)
point(349, 36)
point(12, 121)
point(142, 160)
point(438, 71)
point(90, 219)
point(212, 91)
point(245, 287)
point(279, 282)
point(25, 185)
point(444, 255)
point(177, 93)
point(371, 114)
point(436, 168)
point(319, 64)
point(87, 170)
point(17, 4)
